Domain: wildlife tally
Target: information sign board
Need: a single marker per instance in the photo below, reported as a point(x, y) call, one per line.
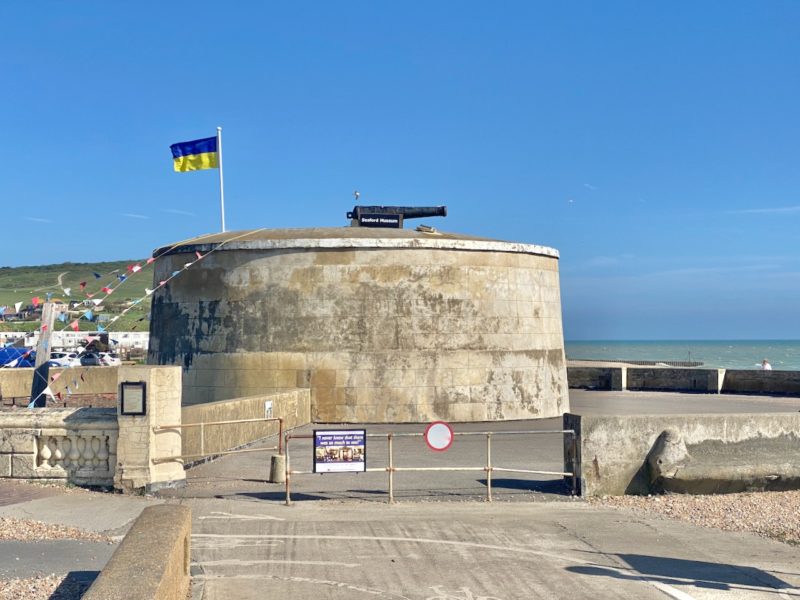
point(340, 450)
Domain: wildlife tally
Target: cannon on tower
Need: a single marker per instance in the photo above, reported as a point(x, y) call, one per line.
point(391, 216)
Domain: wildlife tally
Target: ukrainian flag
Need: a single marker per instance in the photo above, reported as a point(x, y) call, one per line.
point(195, 155)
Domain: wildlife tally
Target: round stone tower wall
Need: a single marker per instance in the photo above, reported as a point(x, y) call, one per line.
point(396, 328)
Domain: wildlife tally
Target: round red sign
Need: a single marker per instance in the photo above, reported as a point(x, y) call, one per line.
point(439, 436)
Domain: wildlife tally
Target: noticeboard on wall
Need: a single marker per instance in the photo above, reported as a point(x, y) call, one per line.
point(340, 451)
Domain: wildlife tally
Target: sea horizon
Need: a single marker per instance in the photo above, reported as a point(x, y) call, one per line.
point(783, 354)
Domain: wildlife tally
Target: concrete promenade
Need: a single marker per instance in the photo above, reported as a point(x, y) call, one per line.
point(441, 540)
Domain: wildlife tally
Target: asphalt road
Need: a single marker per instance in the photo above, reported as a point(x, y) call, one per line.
point(474, 551)
point(441, 540)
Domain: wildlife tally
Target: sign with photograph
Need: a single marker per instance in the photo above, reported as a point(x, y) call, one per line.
point(340, 451)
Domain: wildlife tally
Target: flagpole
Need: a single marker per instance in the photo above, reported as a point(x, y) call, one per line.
point(221, 187)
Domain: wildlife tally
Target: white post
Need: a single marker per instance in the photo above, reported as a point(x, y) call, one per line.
point(221, 187)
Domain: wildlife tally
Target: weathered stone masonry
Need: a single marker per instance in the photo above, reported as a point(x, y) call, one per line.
point(381, 325)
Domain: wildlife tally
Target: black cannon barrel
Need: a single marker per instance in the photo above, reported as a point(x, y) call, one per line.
point(407, 212)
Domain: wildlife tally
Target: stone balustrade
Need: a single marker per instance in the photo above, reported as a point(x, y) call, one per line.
point(78, 445)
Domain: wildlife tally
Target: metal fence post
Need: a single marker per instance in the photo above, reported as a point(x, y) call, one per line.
point(288, 471)
point(202, 439)
point(391, 469)
point(574, 463)
point(489, 466)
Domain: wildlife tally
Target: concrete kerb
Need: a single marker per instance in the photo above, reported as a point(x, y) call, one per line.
point(152, 562)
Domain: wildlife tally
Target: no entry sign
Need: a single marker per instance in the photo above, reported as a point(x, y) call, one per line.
point(439, 436)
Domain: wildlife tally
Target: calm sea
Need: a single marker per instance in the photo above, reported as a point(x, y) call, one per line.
point(728, 354)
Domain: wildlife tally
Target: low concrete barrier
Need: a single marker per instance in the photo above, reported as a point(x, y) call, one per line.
point(294, 407)
point(82, 381)
point(152, 562)
point(670, 379)
point(685, 453)
point(675, 379)
point(596, 378)
point(761, 382)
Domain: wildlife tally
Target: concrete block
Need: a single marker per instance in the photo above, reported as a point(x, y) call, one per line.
point(323, 378)
point(23, 466)
point(286, 378)
point(5, 465)
point(154, 554)
point(17, 441)
point(727, 453)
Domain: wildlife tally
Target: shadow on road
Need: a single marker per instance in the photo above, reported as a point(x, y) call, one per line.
point(677, 571)
point(74, 585)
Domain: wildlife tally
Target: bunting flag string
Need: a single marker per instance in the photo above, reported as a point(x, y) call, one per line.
point(74, 325)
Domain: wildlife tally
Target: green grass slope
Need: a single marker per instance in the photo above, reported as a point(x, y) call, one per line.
point(21, 284)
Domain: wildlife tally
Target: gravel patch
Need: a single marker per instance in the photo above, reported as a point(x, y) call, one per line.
point(25, 530)
point(44, 587)
point(775, 515)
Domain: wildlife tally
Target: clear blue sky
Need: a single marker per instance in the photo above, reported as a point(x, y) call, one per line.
point(654, 145)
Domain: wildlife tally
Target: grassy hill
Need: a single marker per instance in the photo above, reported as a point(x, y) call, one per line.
point(21, 284)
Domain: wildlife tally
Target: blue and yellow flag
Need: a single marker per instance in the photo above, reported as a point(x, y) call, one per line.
point(195, 155)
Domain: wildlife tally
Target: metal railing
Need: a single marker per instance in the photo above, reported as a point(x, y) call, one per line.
point(488, 468)
point(203, 425)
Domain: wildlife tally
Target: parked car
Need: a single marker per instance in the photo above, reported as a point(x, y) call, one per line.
point(111, 359)
point(65, 359)
point(91, 359)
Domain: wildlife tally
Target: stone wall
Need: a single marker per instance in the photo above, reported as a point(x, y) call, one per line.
point(60, 444)
point(685, 380)
point(84, 382)
point(697, 453)
point(596, 378)
point(401, 328)
point(294, 407)
point(761, 382)
point(98, 446)
point(143, 453)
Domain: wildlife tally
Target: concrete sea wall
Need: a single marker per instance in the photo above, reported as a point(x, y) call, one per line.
point(685, 453)
point(726, 381)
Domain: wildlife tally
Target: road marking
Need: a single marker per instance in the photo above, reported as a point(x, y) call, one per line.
point(328, 582)
point(389, 539)
point(668, 589)
point(228, 562)
point(224, 515)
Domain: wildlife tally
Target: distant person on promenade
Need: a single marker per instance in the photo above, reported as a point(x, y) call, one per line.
point(765, 366)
